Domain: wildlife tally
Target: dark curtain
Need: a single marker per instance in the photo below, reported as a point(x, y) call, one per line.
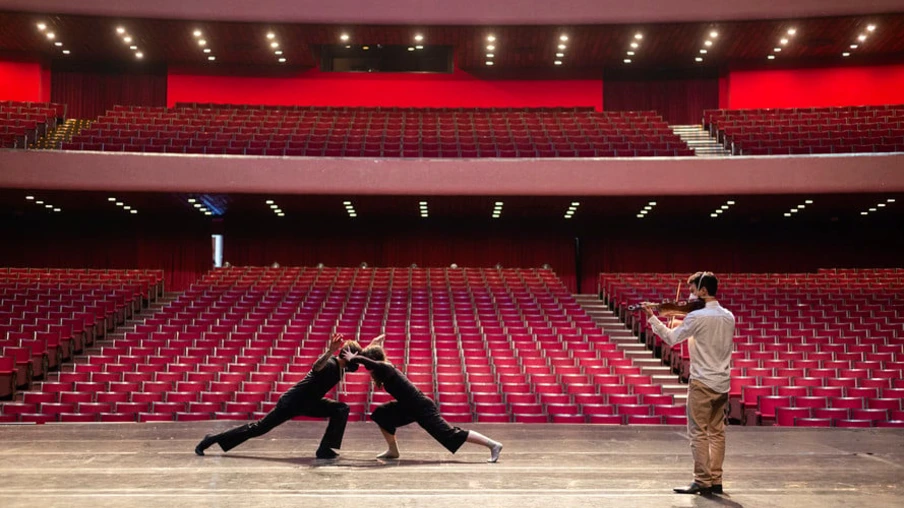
point(183, 253)
point(680, 97)
point(89, 91)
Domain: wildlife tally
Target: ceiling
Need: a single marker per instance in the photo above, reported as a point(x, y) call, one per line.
point(759, 208)
point(739, 43)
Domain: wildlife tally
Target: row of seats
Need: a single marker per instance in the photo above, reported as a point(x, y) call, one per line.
point(23, 122)
point(829, 333)
point(863, 129)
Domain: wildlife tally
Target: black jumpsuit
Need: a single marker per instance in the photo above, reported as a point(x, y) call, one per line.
point(306, 398)
point(411, 405)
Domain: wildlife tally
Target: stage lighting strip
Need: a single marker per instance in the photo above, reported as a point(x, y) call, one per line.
point(646, 210)
point(423, 207)
point(707, 45)
point(51, 36)
point(560, 49)
point(572, 209)
point(128, 39)
point(491, 49)
point(122, 205)
point(274, 45)
point(47, 206)
point(497, 210)
point(860, 39)
point(350, 208)
point(635, 45)
point(205, 48)
point(722, 209)
point(199, 207)
point(795, 210)
point(782, 43)
point(878, 206)
point(276, 209)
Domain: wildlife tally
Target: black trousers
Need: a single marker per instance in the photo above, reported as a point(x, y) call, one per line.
point(393, 415)
point(285, 410)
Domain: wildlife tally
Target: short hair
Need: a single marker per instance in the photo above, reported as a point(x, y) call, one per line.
point(693, 278)
point(351, 345)
point(708, 281)
point(375, 353)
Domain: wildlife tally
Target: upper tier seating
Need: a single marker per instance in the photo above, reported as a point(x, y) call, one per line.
point(804, 131)
point(376, 132)
point(488, 345)
point(830, 344)
point(47, 315)
point(22, 123)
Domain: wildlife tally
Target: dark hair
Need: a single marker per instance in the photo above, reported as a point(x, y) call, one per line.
point(708, 281)
point(354, 347)
point(375, 353)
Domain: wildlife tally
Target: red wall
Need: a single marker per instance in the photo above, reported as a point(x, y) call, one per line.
point(801, 88)
point(24, 81)
point(316, 88)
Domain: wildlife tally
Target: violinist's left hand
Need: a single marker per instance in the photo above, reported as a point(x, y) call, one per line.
point(648, 311)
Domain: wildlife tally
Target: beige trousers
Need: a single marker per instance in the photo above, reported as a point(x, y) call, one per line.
point(706, 429)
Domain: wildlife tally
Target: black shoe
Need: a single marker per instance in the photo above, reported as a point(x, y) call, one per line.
point(203, 445)
point(694, 488)
point(326, 453)
point(717, 488)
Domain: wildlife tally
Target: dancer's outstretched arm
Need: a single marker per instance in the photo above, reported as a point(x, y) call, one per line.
point(335, 344)
point(378, 340)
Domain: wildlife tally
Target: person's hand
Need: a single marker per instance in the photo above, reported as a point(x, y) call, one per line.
point(348, 355)
point(336, 341)
point(648, 309)
point(378, 340)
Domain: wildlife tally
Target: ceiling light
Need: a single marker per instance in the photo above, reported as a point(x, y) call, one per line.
point(801, 206)
point(282, 60)
point(65, 51)
point(861, 37)
point(202, 42)
point(627, 60)
point(490, 47)
point(268, 202)
point(30, 198)
point(280, 215)
point(783, 41)
point(558, 62)
point(198, 205)
point(274, 44)
point(133, 212)
point(771, 57)
point(120, 30)
point(277, 211)
point(638, 36)
point(127, 39)
point(720, 212)
point(794, 210)
point(346, 203)
point(714, 34)
point(871, 28)
point(49, 207)
point(845, 54)
point(575, 203)
point(634, 45)
point(724, 207)
point(419, 47)
point(418, 37)
point(864, 213)
point(39, 202)
point(410, 48)
point(42, 26)
point(787, 214)
point(560, 55)
point(648, 207)
point(729, 202)
point(111, 199)
point(809, 201)
point(881, 205)
point(562, 46)
point(854, 46)
point(133, 48)
point(792, 31)
point(365, 48)
point(206, 50)
point(211, 213)
point(489, 62)
point(272, 35)
point(698, 59)
point(277, 52)
point(120, 203)
point(490, 55)
point(139, 55)
point(343, 37)
point(51, 35)
point(197, 33)
point(563, 38)
point(777, 50)
point(640, 216)
point(211, 58)
point(713, 215)
point(703, 51)
point(58, 44)
point(352, 214)
point(890, 200)
point(872, 209)
point(57, 210)
point(127, 208)
point(708, 43)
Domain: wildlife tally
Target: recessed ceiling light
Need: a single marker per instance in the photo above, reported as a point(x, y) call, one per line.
point(274, 206)
point(65, 51)
point(560, 55)
point(197, 33)
point(58, 44)
point(627, 60)
point(792, 31)
point(365, 48)
point(890, 200)
point(801, 206)
point(638, 36)
point(410, 48)
point(490, 47)
point(491, 38)
point(563, 38)
point(280, 215)
point(30, 198)
point(206, 50)
point(854, 46)
point(419, 47)
point(127, 39)
point(139, 55)
point(703, 51)
point(120, 203)
point(714, 34)
point(120, 30)
point(648, 207)
point(871, 28)
point(343, 37)
point(640, 216)
point(274, 44)
point(282, 60)
point(861, 37)
point(845, 54)
point(489, 62)
point(208, 213)
point(133, 212)
point(809, 201)
point(794, 210)
point(346, 203)
point(57, 210)
point(720, 212)
point(713, 215)
point(198, 205)
point(42, 26)
point(562, 46)
point(39, 202)
point(278, 52)
point(698, 59)
point(864, 213)
point(211, 58)
point(490, 55)
point(133, 48)
point(787, 214)
point(708, 43)
point(111, 199)
point(724, 207)
point(127, 207)
point(771, 57)
point(277, 211)
point(575, 203)
point(418, 37)
point(881, 205)
point(558, 62)
point(271, 35)
point(268, 202)
point(783, 41)
point(777, 50)
point(872, 209)
point(630, 53)
point(202, 42)
point(634, 45)
point(51, 35)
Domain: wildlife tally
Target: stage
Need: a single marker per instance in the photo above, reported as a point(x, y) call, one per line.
point(126, 465)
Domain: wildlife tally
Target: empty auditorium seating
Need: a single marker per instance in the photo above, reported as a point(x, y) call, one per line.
point(47, 315)
point(22, 123)
point(805, 131)
point(381, 132)
point(809, 346)
point(508, 345)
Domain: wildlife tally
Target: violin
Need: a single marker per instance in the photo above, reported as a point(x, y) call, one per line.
point(671, 306)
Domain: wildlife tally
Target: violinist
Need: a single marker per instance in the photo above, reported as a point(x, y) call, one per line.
point(712, 327)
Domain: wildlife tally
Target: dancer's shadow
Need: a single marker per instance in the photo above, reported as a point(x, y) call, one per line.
point(314, 462)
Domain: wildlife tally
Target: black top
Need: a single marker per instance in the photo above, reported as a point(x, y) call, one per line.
point(317, 383)
point(395, 383)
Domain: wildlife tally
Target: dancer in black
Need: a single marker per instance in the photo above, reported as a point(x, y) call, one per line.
point(305, 398)
point(411, 405)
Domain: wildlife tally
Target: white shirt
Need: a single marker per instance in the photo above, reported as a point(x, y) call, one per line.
point(712, 328)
